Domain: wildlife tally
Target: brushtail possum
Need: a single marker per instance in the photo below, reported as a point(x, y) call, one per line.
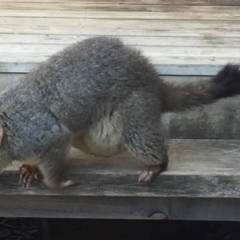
point(101, 97)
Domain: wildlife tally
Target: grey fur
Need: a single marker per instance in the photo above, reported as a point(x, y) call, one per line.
point(99, 95)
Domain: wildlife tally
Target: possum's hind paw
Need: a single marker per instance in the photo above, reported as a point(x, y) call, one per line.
point(149, 172)
point(27, 174)
point(59, 185)
point(145, 176)
point(67, 183)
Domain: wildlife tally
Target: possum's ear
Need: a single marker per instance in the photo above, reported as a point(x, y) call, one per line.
point(1, 133)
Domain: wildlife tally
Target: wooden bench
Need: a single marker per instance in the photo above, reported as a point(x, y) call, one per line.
point(187, 40)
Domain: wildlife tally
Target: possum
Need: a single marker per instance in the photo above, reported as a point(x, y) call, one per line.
point(102, 97)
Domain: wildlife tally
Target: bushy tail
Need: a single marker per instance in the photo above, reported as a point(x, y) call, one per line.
point(185, 96)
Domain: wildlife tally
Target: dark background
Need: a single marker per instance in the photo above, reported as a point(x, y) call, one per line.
point(91, 229)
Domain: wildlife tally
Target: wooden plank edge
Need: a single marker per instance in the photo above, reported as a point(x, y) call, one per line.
point(163, 69)
point(126, 185)
point(121, 208)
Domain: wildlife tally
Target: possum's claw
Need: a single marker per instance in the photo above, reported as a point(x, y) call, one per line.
point(27, 174)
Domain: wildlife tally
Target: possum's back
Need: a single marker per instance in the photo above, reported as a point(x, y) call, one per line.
point(89, 75)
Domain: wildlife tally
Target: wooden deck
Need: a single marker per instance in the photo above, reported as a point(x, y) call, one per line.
point(200, 168)
point(187, 40)
point(180, 39)
point(202, 183)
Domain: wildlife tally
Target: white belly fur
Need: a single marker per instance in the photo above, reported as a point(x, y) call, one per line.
point(102, 139)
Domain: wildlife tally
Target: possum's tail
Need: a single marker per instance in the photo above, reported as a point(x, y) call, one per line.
point(226, 83)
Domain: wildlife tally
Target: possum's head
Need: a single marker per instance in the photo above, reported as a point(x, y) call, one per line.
point(5, 159)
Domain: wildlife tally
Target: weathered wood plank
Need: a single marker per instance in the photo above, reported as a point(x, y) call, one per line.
point(8, 79)
point(167, 66)
point(168, 60)
point(111, 5)
point(153, 41)
point(185, 59)
point(217, 121)
point(200, 168)
point(151, 51)
point(168, 12)
point(129, 27)
point(180, 66)
point(120, 208)
point(159, 56)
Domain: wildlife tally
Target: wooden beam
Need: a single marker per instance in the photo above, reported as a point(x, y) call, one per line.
point(211, 41)
point(147, 12)
point(207, 209)
point(187, 40)
point(108, 4)
point(180, 67)
point(120, 27)
point(198, 168)
point(185, 57)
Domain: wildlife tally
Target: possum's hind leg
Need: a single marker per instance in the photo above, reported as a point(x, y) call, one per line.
point(52, 173)
point(52, 163)
point(143, 137)
point(148, 147)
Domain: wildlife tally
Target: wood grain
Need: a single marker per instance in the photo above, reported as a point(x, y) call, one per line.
point(168, 12)
point(216, 121)
point(182, 40)
point(111, 5)
point(118, 27)
point(23, 63)
point(181, 59)
point(145, 41)
point(21, 58)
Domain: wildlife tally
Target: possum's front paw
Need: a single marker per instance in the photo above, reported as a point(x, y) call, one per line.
point(27, 174)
